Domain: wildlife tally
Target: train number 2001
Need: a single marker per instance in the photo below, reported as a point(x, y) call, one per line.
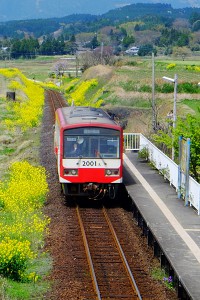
point(89, 163)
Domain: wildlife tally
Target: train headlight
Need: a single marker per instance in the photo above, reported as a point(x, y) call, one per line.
point(108, 172)
point(74, 172)
point(112, 172)
point(70, 172)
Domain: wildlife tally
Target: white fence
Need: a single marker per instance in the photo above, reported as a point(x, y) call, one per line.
point(166, 166)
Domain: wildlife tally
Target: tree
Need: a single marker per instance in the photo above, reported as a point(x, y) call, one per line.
point(52, 46)
point(196, 26)
point(127, 41)
point(46, 46)
point(103, 55)
point(94, 43)
point(98, 56)
point(60, 67)
point(146, 49)
point(188, 128)
point(70, 47)
point(73, 39)
point(15, 49)
point(181, 51)
point(195, 16)
point(25, 48)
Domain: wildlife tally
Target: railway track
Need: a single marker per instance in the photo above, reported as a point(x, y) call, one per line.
point(55, 99)
point(109, 269)
point(106, 260)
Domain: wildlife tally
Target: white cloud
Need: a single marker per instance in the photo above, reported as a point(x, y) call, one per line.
point(121, 4)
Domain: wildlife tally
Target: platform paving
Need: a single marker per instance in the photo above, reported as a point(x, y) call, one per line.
point(175, 226)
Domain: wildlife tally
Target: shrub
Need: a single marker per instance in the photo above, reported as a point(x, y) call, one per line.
point(14, 256)
point(144, 153)
point(165, 88)
point(171, 66)
point(188, 87)
point(129, 86)
point(145, 88)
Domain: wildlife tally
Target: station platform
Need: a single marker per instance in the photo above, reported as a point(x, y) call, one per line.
point(175, 226)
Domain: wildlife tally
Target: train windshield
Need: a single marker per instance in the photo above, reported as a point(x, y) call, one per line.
point(91, 142)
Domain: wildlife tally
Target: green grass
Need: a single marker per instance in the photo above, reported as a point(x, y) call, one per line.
point(193, 103)
point(25, 291)
point(7, 151)
point(12, 290)
point(160, 275)
point(138, 103)
point(143, 71)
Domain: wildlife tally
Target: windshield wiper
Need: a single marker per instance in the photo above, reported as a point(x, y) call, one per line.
point(80, 157)
point(99, 154)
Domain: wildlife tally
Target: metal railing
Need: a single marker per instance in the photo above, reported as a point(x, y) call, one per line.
point(132, 141)
point(167, 167)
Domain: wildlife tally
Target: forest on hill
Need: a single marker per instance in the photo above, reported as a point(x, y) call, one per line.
point(148, 26)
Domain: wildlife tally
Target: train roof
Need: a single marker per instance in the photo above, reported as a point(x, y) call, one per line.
point(81, 115)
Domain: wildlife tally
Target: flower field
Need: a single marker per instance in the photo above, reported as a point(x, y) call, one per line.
point(22, 223)
point(23, 191)
point(27, 110)
point(76, 93)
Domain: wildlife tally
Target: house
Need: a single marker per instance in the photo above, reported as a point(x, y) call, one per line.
point(132, 51)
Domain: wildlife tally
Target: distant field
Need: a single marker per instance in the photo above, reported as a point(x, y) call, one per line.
point(143, 69)
point(42, 66)
point(38, 68)
point(130, 84)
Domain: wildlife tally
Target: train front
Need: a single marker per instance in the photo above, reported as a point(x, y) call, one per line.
point(92, 161)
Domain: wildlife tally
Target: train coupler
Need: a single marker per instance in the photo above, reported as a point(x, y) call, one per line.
point(96, 192)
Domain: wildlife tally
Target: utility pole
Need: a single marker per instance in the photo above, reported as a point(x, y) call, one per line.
point(76, 65)
point(153, 94)
point(102, 53)
point(175, 82)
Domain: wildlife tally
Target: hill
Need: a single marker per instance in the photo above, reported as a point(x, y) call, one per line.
point(77, 23)
point(37, 9)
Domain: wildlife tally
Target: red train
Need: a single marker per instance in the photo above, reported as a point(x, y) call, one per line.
point(88, 145)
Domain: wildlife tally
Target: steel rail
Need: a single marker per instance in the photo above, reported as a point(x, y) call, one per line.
point(89, 259)
point(55, 99)
point(131, 278)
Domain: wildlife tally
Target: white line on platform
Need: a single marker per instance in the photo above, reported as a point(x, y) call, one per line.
point(173, 221)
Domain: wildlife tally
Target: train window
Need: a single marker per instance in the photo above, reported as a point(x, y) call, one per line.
point(106, 145)
point(109, 147)
point(73, 146)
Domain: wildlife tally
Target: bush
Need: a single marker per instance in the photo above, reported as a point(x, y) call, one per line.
point(171, 66)
point(145, 89)
point(129, 86)
point(165, 88)
point(14, 256)
point(144, 153)
point(188, 87)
